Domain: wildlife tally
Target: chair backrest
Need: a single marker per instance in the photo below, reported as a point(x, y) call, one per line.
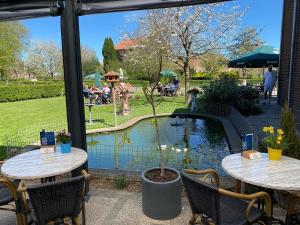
point(204, 198)
point(55, 200)
point(86, 94)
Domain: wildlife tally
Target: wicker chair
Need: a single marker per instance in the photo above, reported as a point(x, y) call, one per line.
point(8, 196)
point(293, 216)
point(221, 207)
point(58, 202)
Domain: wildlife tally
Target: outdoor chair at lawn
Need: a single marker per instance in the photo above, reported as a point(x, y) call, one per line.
point(222, 207)
point(59, 201)
point(293, 214)
point(9, 195)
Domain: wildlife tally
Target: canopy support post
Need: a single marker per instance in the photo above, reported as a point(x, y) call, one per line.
point(73, 77)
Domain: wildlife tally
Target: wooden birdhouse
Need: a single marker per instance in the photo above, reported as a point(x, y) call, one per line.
point(112, 77)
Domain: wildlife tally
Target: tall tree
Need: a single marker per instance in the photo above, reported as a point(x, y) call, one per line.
point(192, 31)
point(12, 36)
point(44, 58)
point(110, 58)
point(246, 40)
point(90, 61)
point(212, 63)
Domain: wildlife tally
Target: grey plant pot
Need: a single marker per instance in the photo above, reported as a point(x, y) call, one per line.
point(161, 201)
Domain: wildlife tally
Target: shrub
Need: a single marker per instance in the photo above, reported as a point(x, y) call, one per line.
point(232, 74)
point(121, 182)
point(248, 93)
point(245, 103)
point(288, 125)
point(11, 93)
point(221, 90)
point(200, 76)
point(247, 108)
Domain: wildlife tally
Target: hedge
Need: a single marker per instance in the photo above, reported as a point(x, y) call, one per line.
point(11, 93)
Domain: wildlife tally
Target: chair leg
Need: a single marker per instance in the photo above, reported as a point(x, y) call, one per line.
point(288, 220)
point(193, 219)
point(83, 212)
point(20, 220)
point(76, 220)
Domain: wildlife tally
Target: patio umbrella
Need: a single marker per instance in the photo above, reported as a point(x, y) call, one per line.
point(168, 73)
point(259, 57)
point(94, 76)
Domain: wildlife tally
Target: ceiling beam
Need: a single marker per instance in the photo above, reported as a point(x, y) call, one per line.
point(104, 6)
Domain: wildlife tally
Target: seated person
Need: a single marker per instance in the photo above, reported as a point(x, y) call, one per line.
point(176, 85)
point(86, 91)
point(106, 93)
point(98, 94)
point(160, 88)
point(170, 89)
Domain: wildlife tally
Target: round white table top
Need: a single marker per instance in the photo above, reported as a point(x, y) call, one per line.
point(36, 165)
point(283, 174)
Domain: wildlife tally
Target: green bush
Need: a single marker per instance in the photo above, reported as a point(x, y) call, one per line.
point(247, 108)
point(11, 93)
point(248, 93)
point(232, 74)
point(200, 76)
point(223, 89)
point(200, 83)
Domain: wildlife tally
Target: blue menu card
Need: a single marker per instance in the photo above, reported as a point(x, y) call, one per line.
point(247, 142)
point(47, 138)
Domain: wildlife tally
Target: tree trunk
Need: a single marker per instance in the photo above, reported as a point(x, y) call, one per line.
point(162, 160)
point(186, 71)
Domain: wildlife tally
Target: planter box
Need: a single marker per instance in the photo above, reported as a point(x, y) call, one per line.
point(161, 200)
point(218, 109)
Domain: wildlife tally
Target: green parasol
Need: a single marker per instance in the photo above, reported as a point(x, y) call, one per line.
point(168, 73)
point(259, 57)
point(94, 76)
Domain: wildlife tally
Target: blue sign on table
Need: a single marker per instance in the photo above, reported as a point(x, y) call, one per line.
point(47, 138)
point(247, 142)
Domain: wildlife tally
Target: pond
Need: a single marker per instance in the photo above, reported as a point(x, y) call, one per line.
point(188, 143)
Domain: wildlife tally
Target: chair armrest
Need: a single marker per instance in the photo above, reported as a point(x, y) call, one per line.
point(11, 187)
point(206, 172)
point(253, 197)
point(293, 200)
point(85, 174)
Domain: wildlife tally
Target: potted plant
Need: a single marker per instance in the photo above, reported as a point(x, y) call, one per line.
point(161, 186)
point(275, 141)
point(64, 140)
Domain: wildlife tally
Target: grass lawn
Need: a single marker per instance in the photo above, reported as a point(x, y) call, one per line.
point(20, 122)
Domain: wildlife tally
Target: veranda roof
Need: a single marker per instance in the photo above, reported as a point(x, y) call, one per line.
point(24, 9)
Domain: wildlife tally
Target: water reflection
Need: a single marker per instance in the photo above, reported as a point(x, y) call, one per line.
point(197, 143)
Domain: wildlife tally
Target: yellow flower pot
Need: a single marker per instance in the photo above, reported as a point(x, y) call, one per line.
point(274, 154)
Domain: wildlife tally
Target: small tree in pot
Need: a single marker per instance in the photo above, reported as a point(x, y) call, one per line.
point(161, 186)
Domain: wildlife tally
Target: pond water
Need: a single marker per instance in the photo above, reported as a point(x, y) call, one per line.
point(187, 143)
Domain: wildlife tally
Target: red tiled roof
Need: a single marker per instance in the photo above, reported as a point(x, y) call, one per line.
point(126, 44)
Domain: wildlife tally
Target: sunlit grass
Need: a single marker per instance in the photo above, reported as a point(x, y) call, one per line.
point(20, 122)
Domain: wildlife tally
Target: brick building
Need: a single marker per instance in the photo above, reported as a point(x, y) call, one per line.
point(289, 69)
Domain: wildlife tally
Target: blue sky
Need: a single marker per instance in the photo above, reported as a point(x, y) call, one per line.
point(266, 14)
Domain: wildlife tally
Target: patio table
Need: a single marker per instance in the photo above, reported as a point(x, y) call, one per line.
point(283, 174)
point(37, 165)
point(272, 175)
